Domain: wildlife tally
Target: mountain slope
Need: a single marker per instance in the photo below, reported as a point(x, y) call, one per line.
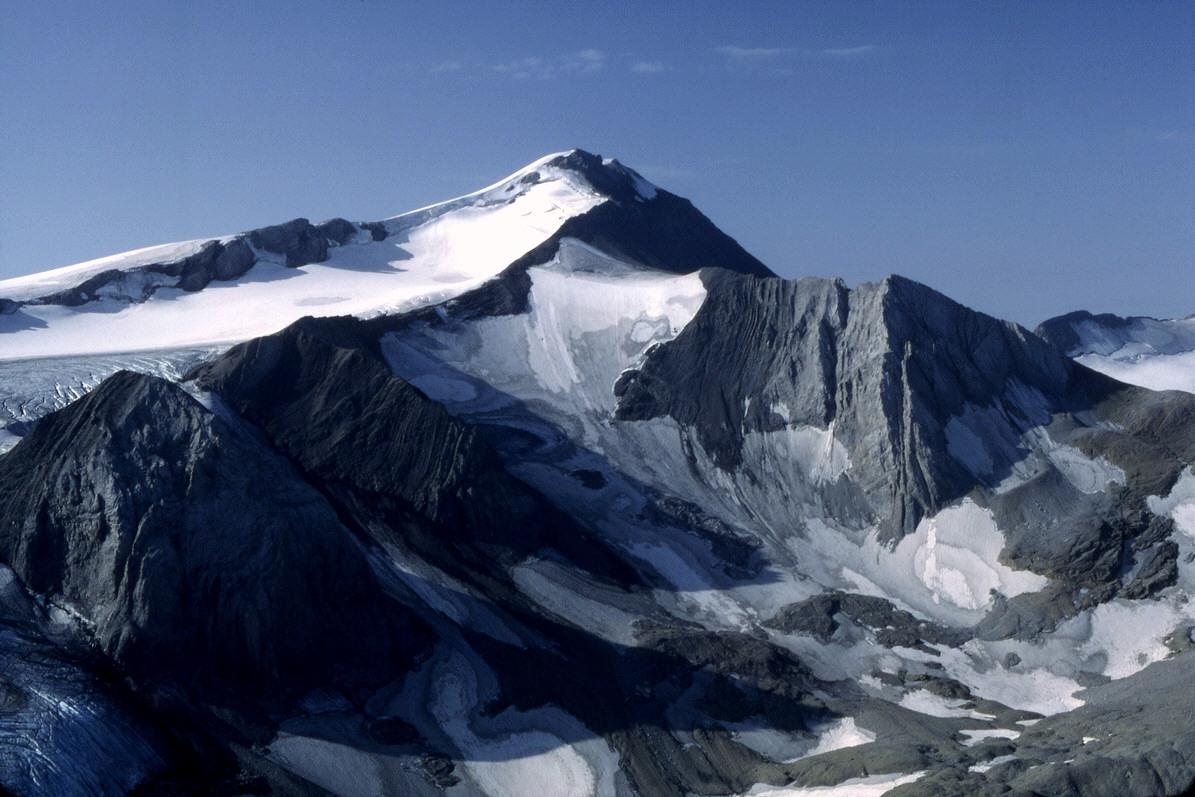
point(228, 289)
point(195, 558)
point(1155, 353)
point(628, 516)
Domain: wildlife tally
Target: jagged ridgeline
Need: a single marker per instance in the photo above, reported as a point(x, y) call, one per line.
point(553, 488)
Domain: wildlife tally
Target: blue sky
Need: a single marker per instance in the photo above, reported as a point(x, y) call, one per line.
point(1026, 159)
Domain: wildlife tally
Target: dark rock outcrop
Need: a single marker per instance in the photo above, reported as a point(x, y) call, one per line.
point(299, 241)
point(821, 615)
point(389, 456)
point(196, 558)
point(1061, 330)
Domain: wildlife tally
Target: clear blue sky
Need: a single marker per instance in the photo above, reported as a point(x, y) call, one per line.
point(1026, 159)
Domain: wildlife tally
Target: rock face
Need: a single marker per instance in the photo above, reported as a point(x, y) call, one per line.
point(821, 616)
point(323, 396)
point(887, 365)
point(1064, 331)
point(196, 558)
point(662, 231)
point(299, 242)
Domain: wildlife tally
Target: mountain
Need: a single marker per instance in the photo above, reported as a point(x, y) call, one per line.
point(235, 287)
point(624, 514)
point(1151, 352)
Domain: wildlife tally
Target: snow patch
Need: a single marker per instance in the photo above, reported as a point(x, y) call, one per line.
point(978, 736)
point(1127, 635)
point(955, 554)
point(872, 786)
point(995, 762)
point(924, 702)
point(1159, 372)
point(839, 735)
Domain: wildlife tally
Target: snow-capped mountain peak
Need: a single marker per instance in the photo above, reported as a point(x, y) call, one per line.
point(221, 290)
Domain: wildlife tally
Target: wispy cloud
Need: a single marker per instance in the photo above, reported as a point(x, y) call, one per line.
point(782, 61)
point(545, 68)
point(523, 68)
point(590, 61)
point(649, 67)
point(584, 61)
point(1175, 136)
point(735, 52)
point(847, 52)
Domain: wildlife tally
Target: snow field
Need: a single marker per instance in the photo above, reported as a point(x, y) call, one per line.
point(430, 255)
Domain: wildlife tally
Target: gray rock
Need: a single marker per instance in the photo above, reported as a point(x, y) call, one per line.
point(297, 239)
point(820, 615)
point(889, 363)
point(1061, 330)
point(322, 394)
point(199, 560)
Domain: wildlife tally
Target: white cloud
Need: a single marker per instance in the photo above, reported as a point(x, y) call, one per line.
point(523, 68)
point(648, 67)
point(752, 53)
point(584, 61)
point(847, 52)
point(541, 68)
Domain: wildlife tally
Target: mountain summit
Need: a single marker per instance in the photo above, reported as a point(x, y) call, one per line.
point(222, 290)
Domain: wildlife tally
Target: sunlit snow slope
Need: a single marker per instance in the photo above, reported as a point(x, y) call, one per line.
point(426, 255)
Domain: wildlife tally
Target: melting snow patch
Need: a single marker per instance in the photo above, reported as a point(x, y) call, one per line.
point(977, 736)
point(1031, 687)
point(1179, 504)
point(592, 316)
point(874, 786)
point(1127, 635)
point(924, 702)
point(839, 735)
point(955, 555)
point(995, 762)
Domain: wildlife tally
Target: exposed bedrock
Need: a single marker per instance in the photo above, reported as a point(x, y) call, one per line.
point(298, 241)
point(1063, 330)
point(195, 557)
point(384, 452)
point(822, 616)
point(888, 367)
